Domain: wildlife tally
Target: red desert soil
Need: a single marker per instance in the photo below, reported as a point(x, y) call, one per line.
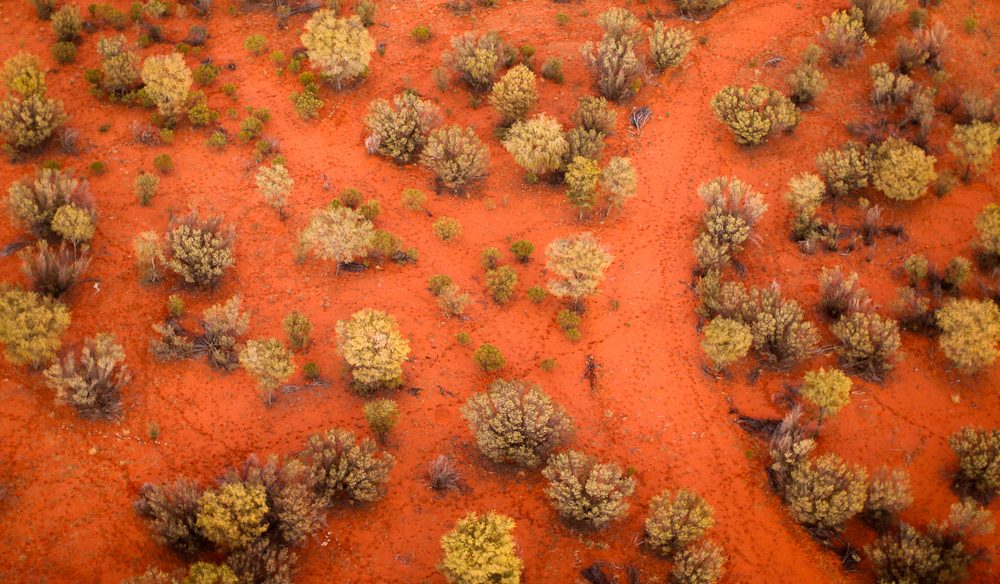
point(69, 515)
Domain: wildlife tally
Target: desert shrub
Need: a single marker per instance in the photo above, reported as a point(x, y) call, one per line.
point(868, 343)
point(477, 59)
point(700, 9)
point(297, 329)
point(490, 258)
point(889, 89)
point(64, 52)
point(901, 170)
point(823, 493)
point(988, 228)
point(269, 362)
point(233, 515)
point(443, 474)
point(381, 415)
point(577, 263)
point(522, 250)
point(807, 80)
point(413, 199)
point(456, 155)
point(930, 41)
point(781, 334)
point(340, 48)
point(209, 573)
point(536, 294)
point(973, 144)
point(205, 74)
point(552, 69)
point(168, 81)
point(481, 550)
point(223, 325)
point(585, 143)
point(978, 462)
point(805, 195)
point(844, 35)
point(44, 8)
point(171, 511)
point(145, 187)
point(888, 494)
point(585, 491)
point(28, 120)
point(699, 564)
point(339, 234)
point(582, 176)
point(421, 34)
point(877, 11)
point(53, 272)
point(827, 389)
point(374, 349)
point(198, 251)
point(618, 179)
point(970, 330)
point(148, 256)
point(263, 561)
point(677, 520)
point(255, 44)
point(733, 210)
point(307, 103)
point(402, 128)
point(538, 145)
point(840, 295)
point(119, 66)
point(754, 113)
point(452, 300)
point(488, 358)
point(67, 24)
point(845, 169)
point(438, 282)
point(33, 205)
point(501, 283)
point(726, 341)
point(94, 387)
point(669, 46)
point(514, 94)
point(516, 422)
point(614, 61)
point(275, 184)
point(31, 326)
point(593, 113)
point(342, 468)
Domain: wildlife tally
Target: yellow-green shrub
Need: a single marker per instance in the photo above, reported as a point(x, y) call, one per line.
point(233, 515)
point(481, 550)
point(340, 48)
point(970, 330)
point(31, 326)
point(578, 263)
point(676, 520)
point(828, 389)
point(754, 113)
point(726, 341)
point(168, 81)
point(586, 491)
point(538, 144)
point(669, 46)
point(374, 349)
point(456, 155)
point(514, 94)
point(402, 130)
point(901, 170)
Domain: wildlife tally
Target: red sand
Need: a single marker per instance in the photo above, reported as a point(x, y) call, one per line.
point(69, 516)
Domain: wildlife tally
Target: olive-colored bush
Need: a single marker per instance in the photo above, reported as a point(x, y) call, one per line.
point(223, 325)
point(754, 113)
point(374, 349)
point(94, 386)
point(52, 271)
point(700, 9)
point(726, 341)
point(781, 334)
point(970, 330)
point(845, 169)
point(402, 129)
point(381, 415)
point(488, 358)
point(33, 204)
point(168, 81)
point(478, 58)
point(522, 250)
point(171, 512)
point(618, 179)
point(342, 468)
point(149, 257)
point(339, 234)
point(577, 263)
point(67, 24)
point(233, 515)
point(586, 491)
point(447, 228)
point(263, 561)
point(269, 362)
point(594, 113)
point(677, 520)
point(27, 117)
point(669, 45)
point(868, 343)
point(481, 550)
point(823, 493)
point(889, 89)
point(119, 66)
point(297, 329)
point(888, 494)
point(145, 187)
point(501, 283)
point(456, 155)
point(515, 422)
point(198, 251)
point(582, 176)
point(827, 389)
point(698, 564)
point(31, 326)
point(901, 170)
point(538, 144)
point(877, 11)
point(844, 35)
point(339, 48)
point(840, 295)
point(733, 210)
point(807, 80)
point(209, 573)
point(805, 195)
point(614, 60)
point(514, 94)
point(275, 184)
point(978, 462)
point(973, 144)
point(988, 227)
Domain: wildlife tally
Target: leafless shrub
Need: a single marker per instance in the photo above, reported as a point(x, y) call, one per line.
point(639, 116)
point(145, 134)
point(53, 272)
point(443, 474)
point(69, 140)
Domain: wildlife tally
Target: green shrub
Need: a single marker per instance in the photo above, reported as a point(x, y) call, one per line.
point(145, 187)
point(538, 145)
point(64, 52)
point(676, 520)
point(781, 334)
point(754, 113)
point(845, 169)
point(67, 24)
point(297, 329)
point(217, 140)
point(382, 415)
point(365, 10)
point(734, 208)
point(222, 325)
point(868, 343)
point(515, 422)
point(374, 349)
point(877, 11)
point(888, 494)
point(514, 94)
point(552, 70)
point(456, 156)
point(840, 295)
point(275, 184)
point(577, 263)
point(73, 223)
point(205, 74)
point(614, 60)
point(807, 80)
point(338, 234)
point(208, 573)
point(619, 180)
point(438, 282)
point(344, 469)
point(44, 8)
point(31, 326)
point(119, 66)
point(477, 58)
point(827, 389)
point(488, 358)
point(970, 330)
point(823, 493)
point(726, 341)
point(256, 44)
point(805, 196)
point(33, 204)
point(700, 9)
point(340, 48)
point(698, 564)
point(585, 491)
point(669, 46)
point(93, 387)
point(901, 170)
point(168, 82)
point(421, 34)
point(988, 228)
point(269, 362)
point(973, 144)
point(536, 294)
point(979, 462)
point(447, 228)
point(233, 515)
point(844, 35)
point(481, 550)
point(522, 250)
point(413, 199)
point(401, 131)
point(27, 117)
point(171, 511)
point(307, 103)
point(889, 89)
point(198, 251)
point(582, 176)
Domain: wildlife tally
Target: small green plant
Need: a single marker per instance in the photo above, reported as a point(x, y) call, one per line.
point(98, 168)
point(447, 228)
point(269, 362)
point(548, 364)
point(536, 294)
point(205, 74)
point(256, 44)
point(297, 329)
point(145, 187)
point(552, 70)
point(382, 415)
point(64, 52)
point(500, 283)
point(163, 163)
point(421, 34)
point(413, 199)
point(488, 358)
